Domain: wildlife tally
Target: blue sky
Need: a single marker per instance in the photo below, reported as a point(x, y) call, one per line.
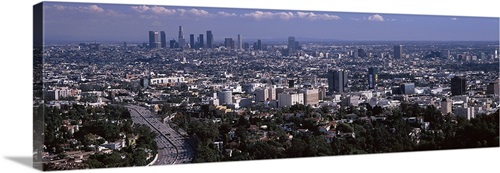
point(131, 23)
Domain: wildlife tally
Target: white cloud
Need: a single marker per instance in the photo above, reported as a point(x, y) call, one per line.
point(454, 18)
point(258, 15)
point(376, 17)
point(225, 14)
point(197, 12)
point(140, 9)
point(181, 12)
point(329, 17)
point(313, 16)
point(159, 10)
point(94, 8)
point(162, 10)
point(285, 15)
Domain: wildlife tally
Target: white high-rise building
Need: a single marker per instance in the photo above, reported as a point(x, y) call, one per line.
point(311, 97)
point(289, 99)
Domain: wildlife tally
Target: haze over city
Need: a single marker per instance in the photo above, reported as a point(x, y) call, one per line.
point(118, 23)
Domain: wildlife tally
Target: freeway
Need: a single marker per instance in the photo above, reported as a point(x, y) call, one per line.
point(173, 148)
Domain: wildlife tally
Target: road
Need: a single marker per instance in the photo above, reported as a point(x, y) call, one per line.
point(173, 148)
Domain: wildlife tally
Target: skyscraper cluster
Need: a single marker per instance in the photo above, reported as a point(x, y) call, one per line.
point(159, 39)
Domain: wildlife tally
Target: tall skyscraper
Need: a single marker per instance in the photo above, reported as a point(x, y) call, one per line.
point(259, 45)
point(372, 77)
point(458, 86)
point(210, 39)
point(201, 43)
point(191, 41)
point(291, 44)
point(182, 41)
point(153, 39)
point(228, 43)
point(240, 42)
point(337, 81)
point(398, 51)
point(163, 39)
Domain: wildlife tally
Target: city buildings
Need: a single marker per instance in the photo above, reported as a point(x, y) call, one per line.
point(240, 42)
point(458, 86)
point(407, 88)
point(154, 41)
point(210, 39)
point(398, 52)
point(181, 40)
point(337, 81)
point(163, 39)
point(288, 99)
point(225, 97)
point(372, 77)
point(446, 106)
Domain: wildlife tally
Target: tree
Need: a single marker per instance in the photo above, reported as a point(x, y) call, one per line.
point(297, 149)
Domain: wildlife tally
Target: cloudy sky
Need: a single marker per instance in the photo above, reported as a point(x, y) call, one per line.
point(111, 22)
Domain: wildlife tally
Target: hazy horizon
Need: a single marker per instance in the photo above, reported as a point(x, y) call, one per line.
point(89, 22)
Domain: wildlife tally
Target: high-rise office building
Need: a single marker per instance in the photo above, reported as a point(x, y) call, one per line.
point(201, 43)
point(291, 44)
point(261, 94)
point(458, 86)
point(163, 39)
point(153, 39)
point(372, 77)
point(337, 81)
point(173, 44)
point(225, 97)
point(228, 42)
point(290, 99)
point(407, 88)
point(493, 87)
point(398, 51)
point(259, 45)
point(181, 41)
point(210, 39)
point(240, 42)
point(311, 97)
point(191, 41)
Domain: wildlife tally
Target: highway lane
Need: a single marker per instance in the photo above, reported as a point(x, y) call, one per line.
point(166, 151)
point(173, 148)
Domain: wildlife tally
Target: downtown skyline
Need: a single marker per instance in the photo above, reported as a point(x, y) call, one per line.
point(130, 23)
